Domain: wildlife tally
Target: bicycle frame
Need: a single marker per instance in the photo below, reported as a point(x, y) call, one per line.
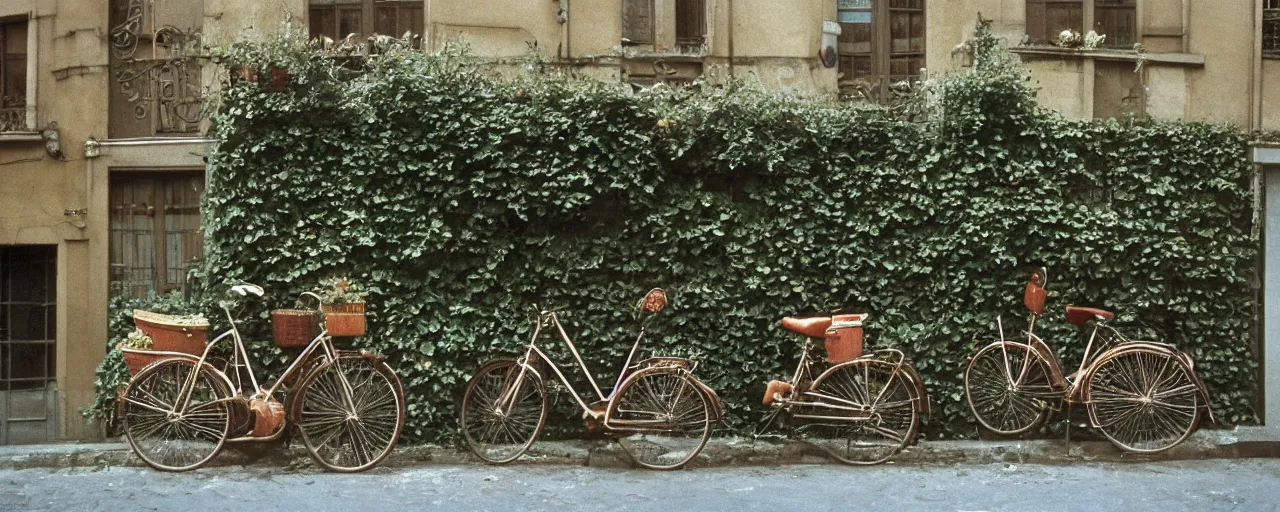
point(549, 319)
point(1070, 384)
point(322, 344)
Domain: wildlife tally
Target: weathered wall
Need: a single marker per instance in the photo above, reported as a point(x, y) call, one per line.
point(1221, 31)
point(1271, 94)
point(73, 87)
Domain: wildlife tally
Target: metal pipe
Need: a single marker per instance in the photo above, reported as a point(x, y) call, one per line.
point(730, 16)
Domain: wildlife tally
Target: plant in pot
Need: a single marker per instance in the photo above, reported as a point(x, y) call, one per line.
point(137, 350)
point(343, 307)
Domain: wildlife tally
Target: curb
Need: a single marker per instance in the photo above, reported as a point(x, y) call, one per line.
point(1242, 442)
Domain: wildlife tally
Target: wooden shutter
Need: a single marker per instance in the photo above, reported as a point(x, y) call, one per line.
point(637, 21)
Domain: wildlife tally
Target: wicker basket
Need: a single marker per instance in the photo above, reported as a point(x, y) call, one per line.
point(294, 327)
point(168, 333)
point(344, 320)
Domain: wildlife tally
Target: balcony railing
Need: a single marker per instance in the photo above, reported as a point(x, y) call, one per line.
point(14, 119)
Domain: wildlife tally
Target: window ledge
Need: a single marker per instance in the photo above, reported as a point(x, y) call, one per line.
point(1178, 59)
point(20, 137)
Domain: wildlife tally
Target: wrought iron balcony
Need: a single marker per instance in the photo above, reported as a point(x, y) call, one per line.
point(13, 118)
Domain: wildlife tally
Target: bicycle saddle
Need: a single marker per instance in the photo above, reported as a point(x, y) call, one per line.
point(1079, 315)
point(816, 327)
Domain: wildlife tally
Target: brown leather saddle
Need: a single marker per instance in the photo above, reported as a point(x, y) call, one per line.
point(1079, 315)
point(816, 327)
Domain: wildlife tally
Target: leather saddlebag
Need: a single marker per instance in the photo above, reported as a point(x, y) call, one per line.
point(844, 341)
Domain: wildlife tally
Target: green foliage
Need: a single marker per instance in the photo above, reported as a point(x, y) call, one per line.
point(457, 198)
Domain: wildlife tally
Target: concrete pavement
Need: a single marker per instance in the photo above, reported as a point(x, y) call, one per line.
point(1166, 486)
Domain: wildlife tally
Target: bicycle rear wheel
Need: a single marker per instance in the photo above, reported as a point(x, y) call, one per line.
point(350, 413)
point(1143, 400)
point(868, 412)
point(170, 431)
point(503, 411)
point(666, 418)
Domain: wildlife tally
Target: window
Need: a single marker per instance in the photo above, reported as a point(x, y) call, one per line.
point(337, 19)
point(691, 23)
point(1117, 19)
point(1271, 29)
point(881, 44)
point(637, 22)
point(13, 76)
point(28, 348)
point(155, 231)
point(640, 22)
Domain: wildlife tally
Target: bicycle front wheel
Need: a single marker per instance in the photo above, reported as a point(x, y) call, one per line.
point(665, 416)
point(350, 413)
point(1007, 386)
point(172, 428)
point(503, 411)
point(1143, 400)
point(862, 412)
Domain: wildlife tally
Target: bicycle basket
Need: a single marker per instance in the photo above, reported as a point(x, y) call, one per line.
point(345, 320)
point(294, 327)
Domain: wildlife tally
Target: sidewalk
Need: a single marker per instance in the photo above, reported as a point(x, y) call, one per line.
point(1241, 442)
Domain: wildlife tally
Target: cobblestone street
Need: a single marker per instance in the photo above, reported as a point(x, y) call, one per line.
point(1252, 484)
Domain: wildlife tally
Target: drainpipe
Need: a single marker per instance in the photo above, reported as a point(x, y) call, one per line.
point(1255, 85)
point(730, 38)
point(430, 31)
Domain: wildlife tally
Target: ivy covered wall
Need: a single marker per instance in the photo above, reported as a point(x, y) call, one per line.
point(459, 199)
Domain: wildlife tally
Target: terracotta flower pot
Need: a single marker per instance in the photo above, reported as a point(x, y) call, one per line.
point(279, 79)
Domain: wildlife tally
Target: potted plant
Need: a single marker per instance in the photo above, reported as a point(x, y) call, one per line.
point(138, 352)
point(343, 307)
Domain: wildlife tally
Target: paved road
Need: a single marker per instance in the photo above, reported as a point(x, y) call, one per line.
point(1165, 487)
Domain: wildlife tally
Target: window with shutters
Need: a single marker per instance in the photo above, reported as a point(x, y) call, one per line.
point(1271, 29)
point(691, 23)
point(1116, 19)
point(155, 231)
point(337, 19)
point(881, 44)
point(642, 21)
point(637, 22)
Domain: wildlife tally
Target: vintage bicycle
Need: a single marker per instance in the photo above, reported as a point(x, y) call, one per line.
point(658, 411)
point(861, 409)
point(179, 411)
point(1143, 396)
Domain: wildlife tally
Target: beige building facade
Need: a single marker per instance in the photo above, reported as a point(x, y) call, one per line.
point(102, 113)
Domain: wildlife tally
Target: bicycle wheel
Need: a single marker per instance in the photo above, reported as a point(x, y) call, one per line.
point(1143, 400)
point(666, 418)
point(171, 432)
point(503, 412)
point(868, 412)
point(350, 412)
point(1008, 399)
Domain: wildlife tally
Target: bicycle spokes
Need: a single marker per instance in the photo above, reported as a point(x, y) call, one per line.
point(171, 427)
point(1143, 400)
point(1008, 386)
point(666, 416)
point(349, 414)
point(503, 411)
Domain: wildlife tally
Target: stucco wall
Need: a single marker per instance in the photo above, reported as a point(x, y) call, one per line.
point(1271, 94)
point(73, 86)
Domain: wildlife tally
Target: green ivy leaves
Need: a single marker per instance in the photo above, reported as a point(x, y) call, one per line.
point(460, 198)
